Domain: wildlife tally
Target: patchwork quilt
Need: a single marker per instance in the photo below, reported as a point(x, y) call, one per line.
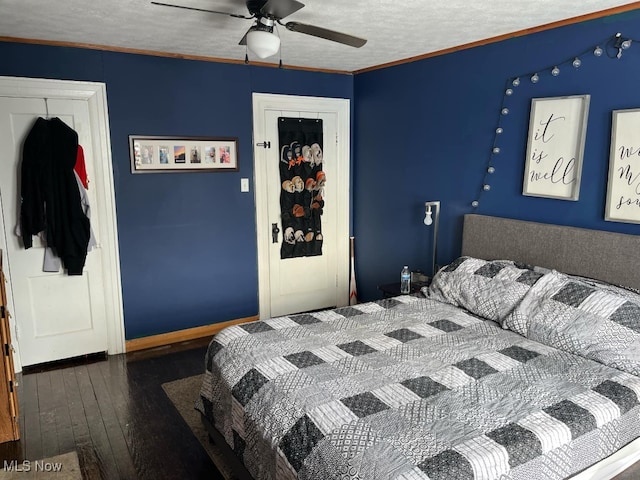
point(411, 388)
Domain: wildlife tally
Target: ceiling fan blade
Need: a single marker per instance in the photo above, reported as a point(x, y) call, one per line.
point(235, 15)
point(326, 34)
point(243, 40)
point(280, 8)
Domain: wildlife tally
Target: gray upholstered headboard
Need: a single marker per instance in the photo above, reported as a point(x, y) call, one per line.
point(607, 256)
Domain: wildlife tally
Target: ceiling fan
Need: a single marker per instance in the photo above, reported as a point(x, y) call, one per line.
point(260, 38)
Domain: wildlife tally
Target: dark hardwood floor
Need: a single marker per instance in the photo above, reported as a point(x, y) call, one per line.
point(115, 414)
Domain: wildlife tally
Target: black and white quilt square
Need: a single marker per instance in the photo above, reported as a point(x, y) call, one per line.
point(388, 303)
point(446, 325)
point(304, 359)
point(573, 294)
point(424, 387)
point(348, 311)
point(356, 348)
point(519, 353)
point(622, 396)
point(521, 444)
point(404, 335)
point(455, 264)
point(299, 441)
point(304, 319)
point(248, 386)
point(628, 315)
point(447, 465)
point(364, 404)
point(489, 270)
point(529, 277)
point(576, 418)
point(212, 351)
point(256, 327)
point(475, 368)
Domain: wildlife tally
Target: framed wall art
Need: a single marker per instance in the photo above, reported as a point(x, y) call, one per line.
point(557, 131)
point(623, 187)
point(162, 154)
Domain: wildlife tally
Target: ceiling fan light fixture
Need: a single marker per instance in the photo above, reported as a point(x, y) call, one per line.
point(260, 38)
point(263, 43)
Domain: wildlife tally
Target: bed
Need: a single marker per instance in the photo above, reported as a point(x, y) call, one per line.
point(520, 361)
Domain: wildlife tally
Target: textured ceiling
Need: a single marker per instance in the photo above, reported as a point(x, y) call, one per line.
point(395, 30)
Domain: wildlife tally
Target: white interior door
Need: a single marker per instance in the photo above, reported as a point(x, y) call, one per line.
point(56, 316)
point(294, 285)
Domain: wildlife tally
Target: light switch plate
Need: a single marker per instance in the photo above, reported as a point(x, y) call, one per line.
point(244, 184)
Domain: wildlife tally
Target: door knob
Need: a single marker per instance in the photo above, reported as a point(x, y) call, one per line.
point(274, 232)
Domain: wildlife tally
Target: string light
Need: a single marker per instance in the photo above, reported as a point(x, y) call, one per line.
point(615, 43)
point(508, 92)
point(621, 44)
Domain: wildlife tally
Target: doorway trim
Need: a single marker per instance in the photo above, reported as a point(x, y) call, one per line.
point(95, 94)
point(288, 104)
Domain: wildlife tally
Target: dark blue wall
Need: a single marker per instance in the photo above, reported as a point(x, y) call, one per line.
point(187, 241)
point(422, 131)
point(425, 131)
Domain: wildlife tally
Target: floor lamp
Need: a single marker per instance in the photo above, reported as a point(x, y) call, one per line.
point(432, 218)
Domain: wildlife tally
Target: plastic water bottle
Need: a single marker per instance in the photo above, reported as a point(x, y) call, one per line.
point(405, 280)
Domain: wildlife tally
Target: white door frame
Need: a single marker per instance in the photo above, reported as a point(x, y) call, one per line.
point(95, 94)
point(289, 103)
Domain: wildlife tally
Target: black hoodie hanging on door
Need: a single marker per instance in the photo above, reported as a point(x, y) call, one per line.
point(302, 186)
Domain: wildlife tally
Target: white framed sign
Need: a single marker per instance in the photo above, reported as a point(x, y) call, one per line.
point(623, 187)
point(557, 131)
